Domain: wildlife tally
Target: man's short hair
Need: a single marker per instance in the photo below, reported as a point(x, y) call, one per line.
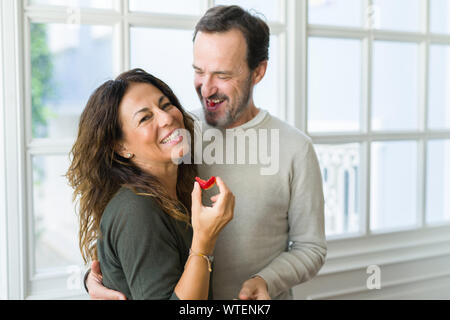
point(256, 32)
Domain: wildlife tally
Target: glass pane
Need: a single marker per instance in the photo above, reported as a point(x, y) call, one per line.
point(267, 92)
point(178, 74)
point(439, 84)
point(64, 73)
point(334, 84)
point(393, 185)
point(100, 4)
point(172, 64)
point(55, 221)
point(394, 85)
point(340, 165)
point(440, 16)
point(193, 7)
point(336, 12)
point(400, 15)
point(270, 9)
point(438, 181)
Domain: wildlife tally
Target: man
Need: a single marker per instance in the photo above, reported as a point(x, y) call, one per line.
point(276, 239)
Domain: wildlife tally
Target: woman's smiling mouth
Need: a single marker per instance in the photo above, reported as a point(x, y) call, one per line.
point(173, 138)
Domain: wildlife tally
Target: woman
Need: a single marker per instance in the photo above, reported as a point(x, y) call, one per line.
point(133, 198)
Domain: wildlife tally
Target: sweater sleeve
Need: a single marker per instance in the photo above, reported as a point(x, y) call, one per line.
point(146, 248)
point(307, 244)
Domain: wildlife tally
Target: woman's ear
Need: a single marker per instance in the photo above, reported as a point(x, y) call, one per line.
point(123, 151)
point(259, 72)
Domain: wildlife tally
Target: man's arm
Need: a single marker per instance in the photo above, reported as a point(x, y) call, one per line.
point(308, 248)
point(93, 285)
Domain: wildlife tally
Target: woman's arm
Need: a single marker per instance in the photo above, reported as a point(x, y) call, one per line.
point(207, 222)
point(194, 283)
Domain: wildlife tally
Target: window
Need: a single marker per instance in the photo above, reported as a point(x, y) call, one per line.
point(340, 165)
point(438, 181)
point(378, 112)
point(334, 84)
point(439, 82)
point(440, 16)
point(194, 7)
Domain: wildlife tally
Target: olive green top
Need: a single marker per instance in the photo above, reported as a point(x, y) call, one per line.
point(142, 250)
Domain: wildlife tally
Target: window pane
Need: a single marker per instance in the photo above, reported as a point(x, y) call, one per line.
point(334, 84)
point(193, 7)
point(64, 73)
point(335, 12)
point(395, 91)
point(438, 181)
point(172, 64)
point(393, 185)
point(270, 9)
point(400, 15)
point(267, 92)
point(440, 16)
point(100, 4)
point(55, 221)
point(341, 175)
point(439, 84)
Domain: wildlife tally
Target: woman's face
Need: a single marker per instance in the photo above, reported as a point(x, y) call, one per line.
point(149, 125)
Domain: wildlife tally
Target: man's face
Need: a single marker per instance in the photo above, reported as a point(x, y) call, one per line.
point(222, 79)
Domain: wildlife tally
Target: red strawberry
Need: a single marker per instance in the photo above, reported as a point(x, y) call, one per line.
point(205, 185)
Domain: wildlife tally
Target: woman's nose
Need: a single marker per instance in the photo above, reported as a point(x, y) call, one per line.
point(164, 118)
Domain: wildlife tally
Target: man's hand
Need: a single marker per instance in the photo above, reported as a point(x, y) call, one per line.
point(254, 289)
point(95, 286)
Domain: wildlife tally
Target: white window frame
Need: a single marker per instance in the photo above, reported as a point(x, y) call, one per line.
point(350, 251)
point(344, 252)
point(13, 218)
point(3, 249)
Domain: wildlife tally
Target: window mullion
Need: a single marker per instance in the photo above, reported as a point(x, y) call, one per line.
point(123, 40)
point(209, 3)
point(366, 127)
point(297, 51)
point(423, 115)
point(365, 188)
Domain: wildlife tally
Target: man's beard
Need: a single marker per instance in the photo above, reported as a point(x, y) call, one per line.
point(232, 113)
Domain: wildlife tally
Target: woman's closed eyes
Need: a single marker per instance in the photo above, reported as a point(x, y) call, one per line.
point(149, 116)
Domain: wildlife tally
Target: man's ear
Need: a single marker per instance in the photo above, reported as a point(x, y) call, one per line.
point(259, 72)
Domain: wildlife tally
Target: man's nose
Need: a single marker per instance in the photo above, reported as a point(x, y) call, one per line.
point(208, 87)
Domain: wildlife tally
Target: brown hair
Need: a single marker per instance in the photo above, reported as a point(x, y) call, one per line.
point(256, 32)
point(97, 172)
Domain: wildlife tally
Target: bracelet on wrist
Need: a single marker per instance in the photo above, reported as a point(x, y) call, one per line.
point(208, 258)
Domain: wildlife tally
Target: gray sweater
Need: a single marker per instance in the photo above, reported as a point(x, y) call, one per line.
point(278, 226)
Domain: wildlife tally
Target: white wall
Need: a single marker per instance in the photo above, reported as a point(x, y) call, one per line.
point(418, 268)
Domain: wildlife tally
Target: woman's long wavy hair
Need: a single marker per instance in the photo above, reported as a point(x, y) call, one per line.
point(97, 172)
